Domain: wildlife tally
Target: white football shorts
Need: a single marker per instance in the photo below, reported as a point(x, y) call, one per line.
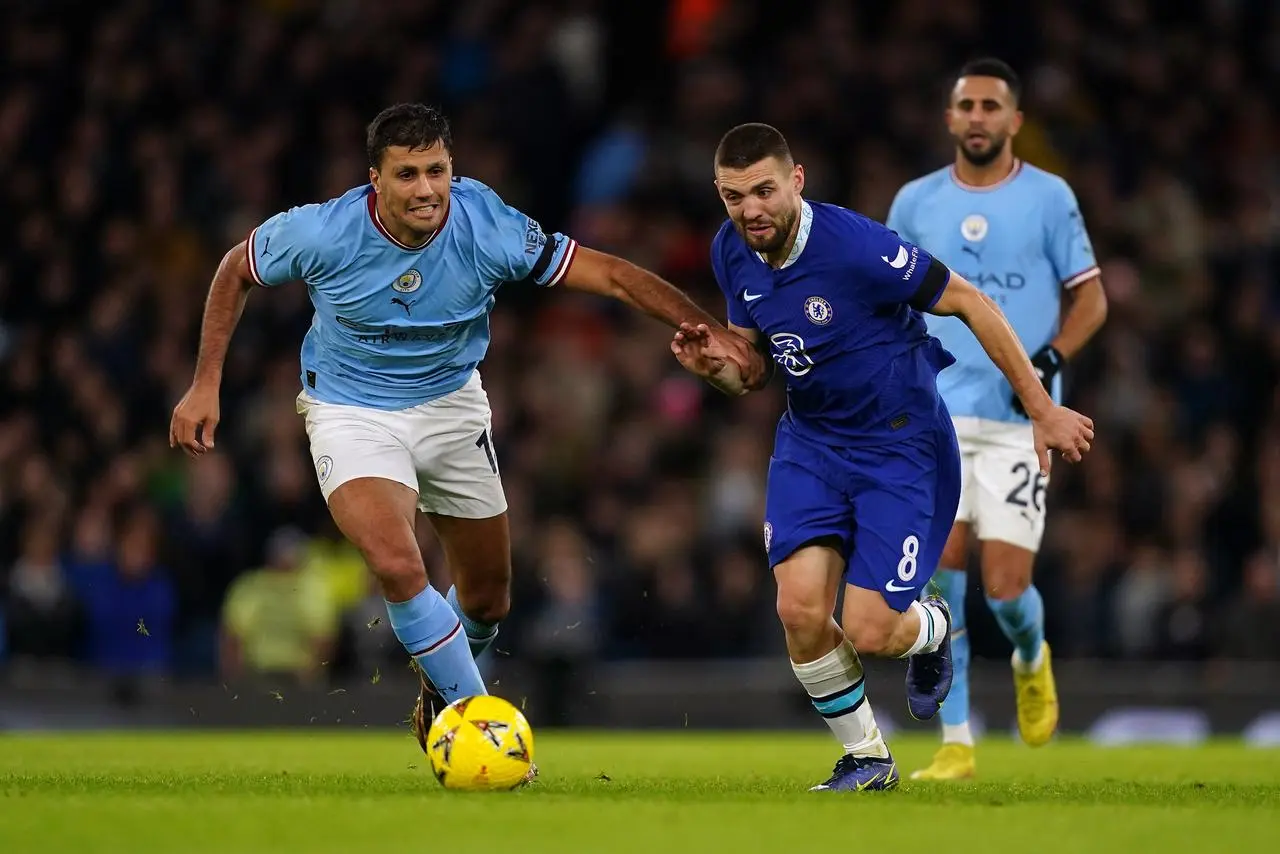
point(441, 449)
point(1002, 494)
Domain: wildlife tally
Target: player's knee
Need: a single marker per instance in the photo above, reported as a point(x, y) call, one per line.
point(398, 570)
point(1005, 583)
point(802, 612)
point(487, 603)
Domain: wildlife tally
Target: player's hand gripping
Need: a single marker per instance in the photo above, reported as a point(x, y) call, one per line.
point(195, 419)
point(1064, 430)
point(724, 359)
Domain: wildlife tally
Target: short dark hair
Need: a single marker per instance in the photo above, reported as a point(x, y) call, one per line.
point(410, 125)
point(989, 66)
point(751, 143)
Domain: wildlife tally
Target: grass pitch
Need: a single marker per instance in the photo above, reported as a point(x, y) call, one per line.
point(323, 791)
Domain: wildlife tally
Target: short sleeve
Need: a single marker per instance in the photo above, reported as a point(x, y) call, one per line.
point(735, 309)
point(896, 271)
point(519, 250)
point(285, 248)
point(1070, 250)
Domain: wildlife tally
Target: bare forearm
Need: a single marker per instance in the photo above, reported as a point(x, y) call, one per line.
point(222, 310)
point(656, 297)
point(1084, 317)
point(988, 324)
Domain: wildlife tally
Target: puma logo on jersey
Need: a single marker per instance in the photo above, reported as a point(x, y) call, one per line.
point(405, 305)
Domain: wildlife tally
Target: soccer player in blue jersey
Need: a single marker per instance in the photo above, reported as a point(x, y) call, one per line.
point(403, 273)
point(865, 475)
point(1016, 232)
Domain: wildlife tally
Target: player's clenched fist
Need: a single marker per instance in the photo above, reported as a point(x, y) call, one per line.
point(1064, 430)
point(195, 419)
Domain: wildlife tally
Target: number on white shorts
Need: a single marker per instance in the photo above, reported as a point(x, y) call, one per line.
point(910, 551)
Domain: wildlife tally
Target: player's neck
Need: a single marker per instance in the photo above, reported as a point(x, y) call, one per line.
point(985, 176)
point(777, 259)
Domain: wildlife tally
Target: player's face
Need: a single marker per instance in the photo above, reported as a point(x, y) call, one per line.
point(413, 186)
point(763, 200)
point(982, 117)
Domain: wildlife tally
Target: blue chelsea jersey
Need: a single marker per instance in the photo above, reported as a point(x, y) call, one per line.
point(842, 318)
point(1022, 241)
point(396, 326)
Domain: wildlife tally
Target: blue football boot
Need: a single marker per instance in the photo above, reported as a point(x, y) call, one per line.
point(929, 673)
point(861, 774)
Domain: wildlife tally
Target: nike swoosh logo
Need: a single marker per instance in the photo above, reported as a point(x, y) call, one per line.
point(893, 587)
point(899, 261)
point(747, 296)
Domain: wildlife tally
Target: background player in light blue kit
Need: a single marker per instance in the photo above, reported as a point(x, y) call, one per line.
point(403, 273)
point(1016, 232)
point(865, 475)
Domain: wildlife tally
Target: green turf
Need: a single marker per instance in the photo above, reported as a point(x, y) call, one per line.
point(325, 792)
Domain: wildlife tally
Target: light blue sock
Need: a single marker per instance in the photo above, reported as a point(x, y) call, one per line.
point(479, 635)
point(433, 635)
point(955, 709)
point(1022, 621)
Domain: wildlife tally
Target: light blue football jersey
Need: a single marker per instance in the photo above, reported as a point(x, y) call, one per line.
point(1023, 241)
point(396, 326)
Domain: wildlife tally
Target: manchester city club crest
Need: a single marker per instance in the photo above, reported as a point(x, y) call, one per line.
point(408, 282)
point(818, 311)
point(974, 227)
point(324, 467)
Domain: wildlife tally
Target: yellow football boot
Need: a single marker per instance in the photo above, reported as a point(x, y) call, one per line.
point(951, 762)
point(1037, 700)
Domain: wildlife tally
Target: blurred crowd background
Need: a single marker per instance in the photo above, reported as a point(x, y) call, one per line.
point(140, 139)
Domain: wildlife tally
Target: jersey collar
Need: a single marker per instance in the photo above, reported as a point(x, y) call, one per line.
point(802, 236)
point(376, 219)
point(972, 188)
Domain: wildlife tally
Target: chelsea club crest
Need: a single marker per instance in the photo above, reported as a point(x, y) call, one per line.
point(408, 282)
point(818, 311)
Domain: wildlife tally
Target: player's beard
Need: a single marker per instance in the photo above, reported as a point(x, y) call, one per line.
point(995, 146)
point(775, 241)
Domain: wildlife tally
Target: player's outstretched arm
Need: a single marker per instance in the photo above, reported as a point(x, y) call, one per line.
point(608, 275)
point(196, 416)
point(1056, 427)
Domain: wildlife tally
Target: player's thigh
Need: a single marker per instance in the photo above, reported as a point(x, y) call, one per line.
point(808, 530)
point(454, 455)
point(905, 510)
point(376, 515)
point(479, 555)
point(1010, 499)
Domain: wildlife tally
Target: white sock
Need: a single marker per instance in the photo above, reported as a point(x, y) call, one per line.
point(1028, 666)
point(957, 734)
point(834, 682)
point(933, 628)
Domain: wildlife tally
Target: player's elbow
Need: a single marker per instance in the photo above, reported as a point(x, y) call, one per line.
point(236, 264)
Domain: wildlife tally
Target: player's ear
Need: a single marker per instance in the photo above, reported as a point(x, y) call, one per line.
point(373, 176)
point(797, 178)
point(1016, 124)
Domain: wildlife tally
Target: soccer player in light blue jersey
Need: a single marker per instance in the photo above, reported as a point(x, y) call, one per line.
point(864, 480)
point(1016, 232)
point(403, 273)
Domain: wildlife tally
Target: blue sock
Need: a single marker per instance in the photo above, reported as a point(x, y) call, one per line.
point(479, 635)
point(955, 709)
point(432, 634)
point(1022, 621)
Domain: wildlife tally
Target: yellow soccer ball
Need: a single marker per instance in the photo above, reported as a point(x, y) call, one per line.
point(479, 744)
